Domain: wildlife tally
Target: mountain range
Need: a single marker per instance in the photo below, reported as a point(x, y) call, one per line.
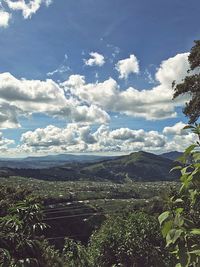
point(137, 166)
point(48, 161)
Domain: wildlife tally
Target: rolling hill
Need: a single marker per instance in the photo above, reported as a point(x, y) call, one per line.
point(138, 166)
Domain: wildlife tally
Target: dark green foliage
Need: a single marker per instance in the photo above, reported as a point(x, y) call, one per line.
point(21, 227)
point(191, 85)
point(181, 222)
point(75, 254)
point(131, 241)
point(10, 195)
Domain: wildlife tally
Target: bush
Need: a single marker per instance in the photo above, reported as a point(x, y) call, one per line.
point(131, 241)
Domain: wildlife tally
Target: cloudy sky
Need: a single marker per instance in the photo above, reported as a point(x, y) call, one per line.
point(90, 76)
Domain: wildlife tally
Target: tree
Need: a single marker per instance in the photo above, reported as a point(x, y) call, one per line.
point(181, 222)
point(191, 85)
point(133, 240)
point(21, 226)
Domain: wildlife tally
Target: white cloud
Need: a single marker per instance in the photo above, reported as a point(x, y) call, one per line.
point(77, 101)
point(4, 18)
point(91, 115)
point(174, 68)
point(5, 144)
point(25, 97)
point(152, 104)
point(95, 60)
point(176, 129)
point(8, 116)
point(127, 66)
point(81, 138)
point(180, 142)
point(149, 77)
point(28, 8)
point(178, 138)
point(74, 81)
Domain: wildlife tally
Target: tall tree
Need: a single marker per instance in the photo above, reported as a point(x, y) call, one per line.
point(191, 85)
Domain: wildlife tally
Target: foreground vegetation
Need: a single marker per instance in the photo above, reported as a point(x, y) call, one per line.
point(121, 240)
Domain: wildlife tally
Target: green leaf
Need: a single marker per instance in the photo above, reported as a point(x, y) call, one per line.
point(195, 231)
point(189, 149)
point(173, 235)
point(178, 221)
point(166, 228)
point(176, 168)
point(163, 217)
point(184, 170)
point(196, 156)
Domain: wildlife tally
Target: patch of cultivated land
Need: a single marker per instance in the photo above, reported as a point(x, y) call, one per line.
point(92, 191)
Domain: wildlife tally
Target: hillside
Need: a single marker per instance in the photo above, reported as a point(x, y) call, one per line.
point(138, 166)
point(173, 155)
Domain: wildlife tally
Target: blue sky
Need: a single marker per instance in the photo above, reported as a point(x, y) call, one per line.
point(136, 46)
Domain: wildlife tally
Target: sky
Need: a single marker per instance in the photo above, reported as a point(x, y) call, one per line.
point(90, 76)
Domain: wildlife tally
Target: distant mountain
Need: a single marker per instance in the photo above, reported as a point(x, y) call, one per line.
point(173, 155)
point(48, 161)
point(66, 157)
point(138, 166)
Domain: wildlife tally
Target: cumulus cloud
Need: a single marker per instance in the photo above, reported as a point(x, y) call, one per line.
point(4, 18)
point(176, 129)
point(8, 116)
point(152, 104)
point(25, 97)
point(178, 138)
point(5, 143)
point(83, 104)
point(28, 8)
point(54, 139)
point(95, 60)
point(78, 101)
point(180, 142)
point(74, 81)
point(127, 66)
point(173, 69)
point(83, 138)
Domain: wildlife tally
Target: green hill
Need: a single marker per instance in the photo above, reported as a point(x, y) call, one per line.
point(138, 166)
